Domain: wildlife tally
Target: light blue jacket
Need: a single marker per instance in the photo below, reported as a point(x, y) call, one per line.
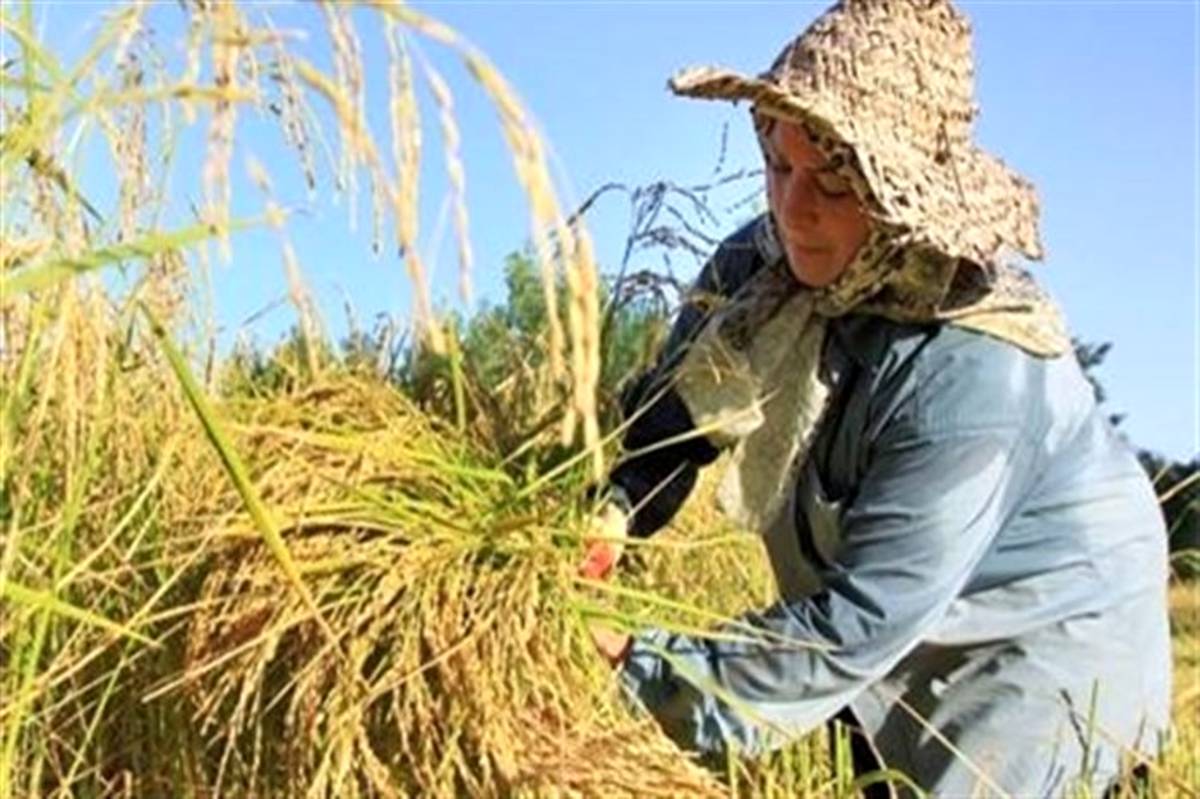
point(992, 604)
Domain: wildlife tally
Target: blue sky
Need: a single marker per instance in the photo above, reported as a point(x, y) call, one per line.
point(1096, 102)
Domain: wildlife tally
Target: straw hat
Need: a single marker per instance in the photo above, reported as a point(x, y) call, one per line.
point(894, 79)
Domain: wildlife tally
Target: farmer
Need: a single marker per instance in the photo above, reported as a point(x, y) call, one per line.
point(971, 563)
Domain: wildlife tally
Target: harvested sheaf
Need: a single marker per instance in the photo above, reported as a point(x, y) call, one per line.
point(461, 665)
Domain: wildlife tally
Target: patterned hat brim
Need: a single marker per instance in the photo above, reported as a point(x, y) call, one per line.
point(966, 202)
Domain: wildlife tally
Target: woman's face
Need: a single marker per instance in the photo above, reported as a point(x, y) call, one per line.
point(820, 221)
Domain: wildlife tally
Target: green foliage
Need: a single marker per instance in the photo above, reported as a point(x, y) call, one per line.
point(509, 396)
point(1178, 487)
point(514, 330)
point(498, 335)
point(1090, 356)
point(254, 373)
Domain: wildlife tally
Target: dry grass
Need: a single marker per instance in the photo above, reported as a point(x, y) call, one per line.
point(1182, 763)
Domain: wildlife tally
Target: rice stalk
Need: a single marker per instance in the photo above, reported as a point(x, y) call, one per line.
point(237, 473)
point(181, 91)
point(130, 156)
point(50, 272)
point(297, 290)
point(346, 85)
point(295, 129)
point(451, 140)
point(490, 604)
point(198, 24)
point(524, 145)
point(226, 50)
point(48, 602)
point(405, 120)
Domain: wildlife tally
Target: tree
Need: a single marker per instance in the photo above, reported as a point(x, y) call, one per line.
point(497, 382)
point(1178, 488)
point(1090, 356)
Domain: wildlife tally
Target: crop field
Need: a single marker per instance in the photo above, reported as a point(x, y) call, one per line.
point(307, 571)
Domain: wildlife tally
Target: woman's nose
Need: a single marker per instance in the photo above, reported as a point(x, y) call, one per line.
point(799, 198)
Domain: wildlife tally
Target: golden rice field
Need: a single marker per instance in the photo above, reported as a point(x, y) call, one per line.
point(323, 587)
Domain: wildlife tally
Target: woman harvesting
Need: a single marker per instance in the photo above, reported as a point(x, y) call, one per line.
point(976, 557)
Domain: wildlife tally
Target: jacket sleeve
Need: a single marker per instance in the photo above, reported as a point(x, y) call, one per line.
point(943, 473)
point(663, 455)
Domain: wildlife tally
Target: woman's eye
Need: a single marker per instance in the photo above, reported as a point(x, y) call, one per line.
point(832, 184)
point(778, 168)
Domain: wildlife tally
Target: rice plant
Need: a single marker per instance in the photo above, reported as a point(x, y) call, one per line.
point(308, 586)
point(321, 591)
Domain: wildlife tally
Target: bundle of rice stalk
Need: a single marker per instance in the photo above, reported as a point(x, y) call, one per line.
point(458, 664)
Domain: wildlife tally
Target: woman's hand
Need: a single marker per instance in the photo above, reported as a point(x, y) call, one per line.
point(613, 645)
point(605, 542)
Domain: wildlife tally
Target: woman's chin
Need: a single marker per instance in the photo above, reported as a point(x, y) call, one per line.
point(811, 274)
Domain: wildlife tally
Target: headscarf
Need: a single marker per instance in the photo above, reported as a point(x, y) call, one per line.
point(885, 90)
